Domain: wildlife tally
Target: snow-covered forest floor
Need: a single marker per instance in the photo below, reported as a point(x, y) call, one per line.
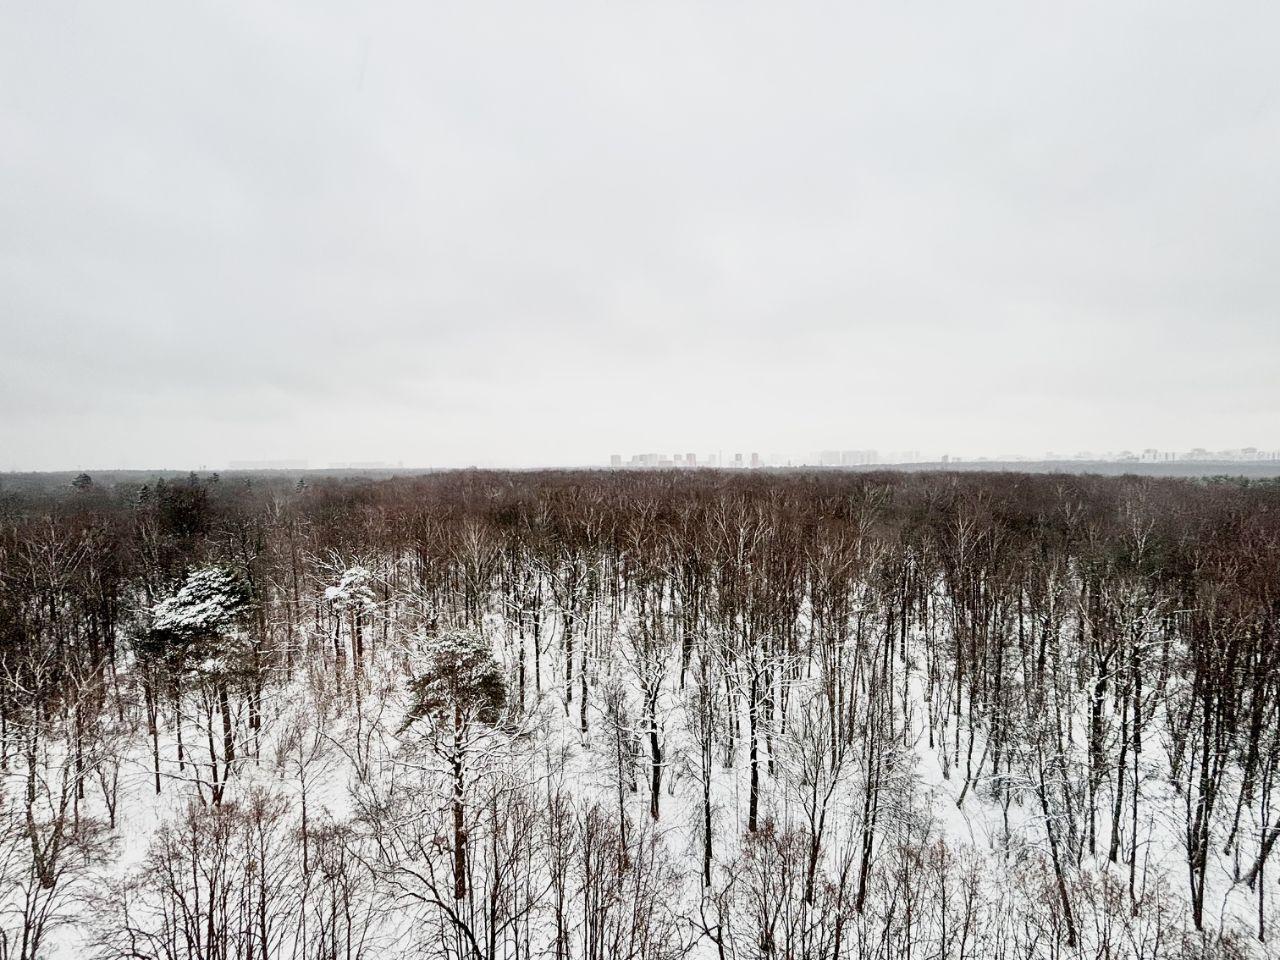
point(585, 716)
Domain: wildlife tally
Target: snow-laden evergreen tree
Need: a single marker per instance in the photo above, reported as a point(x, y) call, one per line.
point(199, 639)
point(353, 602)
point(197, 628)
point(460, 691)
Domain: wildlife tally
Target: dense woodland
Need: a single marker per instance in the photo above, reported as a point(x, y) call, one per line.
point(640, 715)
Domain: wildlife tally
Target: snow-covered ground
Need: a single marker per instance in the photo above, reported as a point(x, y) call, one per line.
point(951, 869)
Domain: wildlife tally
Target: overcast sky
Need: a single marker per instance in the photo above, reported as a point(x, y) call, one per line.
point(535, 233)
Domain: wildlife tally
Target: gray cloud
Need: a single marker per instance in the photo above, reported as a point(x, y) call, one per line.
point(540, 233)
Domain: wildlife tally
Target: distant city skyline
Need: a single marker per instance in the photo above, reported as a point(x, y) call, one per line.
point(720, 459)
point(868, 457)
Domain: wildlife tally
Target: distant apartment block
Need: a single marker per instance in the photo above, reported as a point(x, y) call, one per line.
point(859, 458)
point(267, 465)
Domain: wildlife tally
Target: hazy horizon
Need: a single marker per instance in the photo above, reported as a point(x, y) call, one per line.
point(522, 237)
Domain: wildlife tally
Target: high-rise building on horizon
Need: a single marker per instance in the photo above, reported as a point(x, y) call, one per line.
point(859, 458)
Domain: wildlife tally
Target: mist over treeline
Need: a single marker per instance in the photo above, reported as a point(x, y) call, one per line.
point(640, 714)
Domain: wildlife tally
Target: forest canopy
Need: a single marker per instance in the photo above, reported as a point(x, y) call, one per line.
point(640, 714)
